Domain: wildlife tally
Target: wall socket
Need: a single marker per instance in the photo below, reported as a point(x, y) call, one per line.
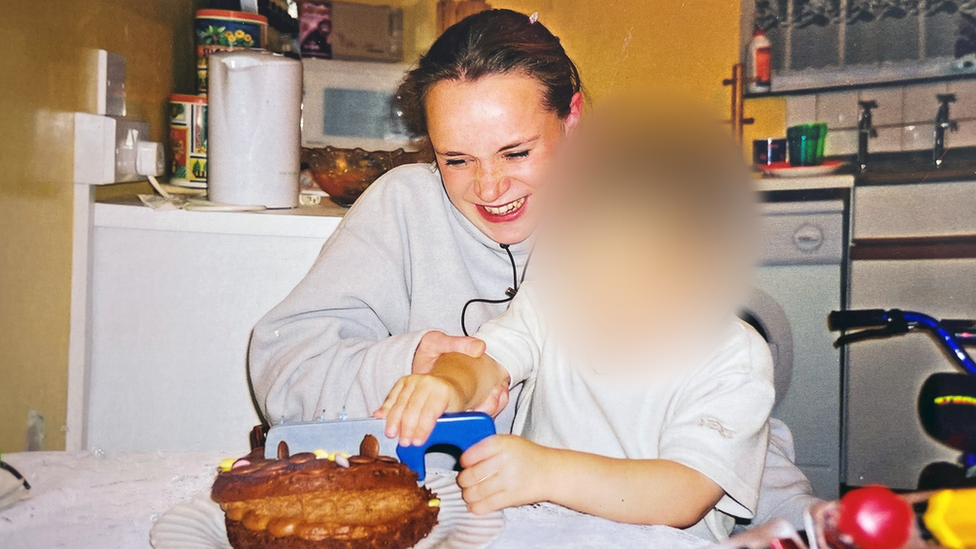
point(128, 134)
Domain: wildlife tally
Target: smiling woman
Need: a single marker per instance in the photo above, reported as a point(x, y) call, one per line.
point(428, 250)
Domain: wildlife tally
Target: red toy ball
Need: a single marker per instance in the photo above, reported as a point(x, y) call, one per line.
point(875, 518)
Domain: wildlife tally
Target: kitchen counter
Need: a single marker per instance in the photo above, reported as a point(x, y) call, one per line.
point(96, 500)
point(309, 221)
point(833, 181)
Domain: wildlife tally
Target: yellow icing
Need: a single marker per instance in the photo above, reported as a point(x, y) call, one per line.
point(434, 503)
point(321, 454)
point(226, 464)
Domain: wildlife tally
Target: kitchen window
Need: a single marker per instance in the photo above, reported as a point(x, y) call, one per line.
point(818, 43)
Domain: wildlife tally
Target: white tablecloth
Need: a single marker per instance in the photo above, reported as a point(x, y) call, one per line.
point(84, 500)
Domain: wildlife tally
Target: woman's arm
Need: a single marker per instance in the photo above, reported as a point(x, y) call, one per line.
point(363, 316)
point(504, 471)
point(327, 347)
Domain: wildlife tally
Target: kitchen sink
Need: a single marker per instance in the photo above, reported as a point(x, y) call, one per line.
point(917, 167)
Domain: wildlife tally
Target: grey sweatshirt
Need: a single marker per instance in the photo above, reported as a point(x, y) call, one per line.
point(402, 262)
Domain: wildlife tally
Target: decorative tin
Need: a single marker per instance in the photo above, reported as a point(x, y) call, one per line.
point(188, 140)
point(224, 30)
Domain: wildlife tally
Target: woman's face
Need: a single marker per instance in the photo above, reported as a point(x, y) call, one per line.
point(493, 139)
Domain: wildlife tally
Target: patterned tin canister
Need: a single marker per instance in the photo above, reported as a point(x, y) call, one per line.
point(223, 30)
point(188, 140)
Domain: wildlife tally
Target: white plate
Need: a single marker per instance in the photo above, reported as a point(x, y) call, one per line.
point(199, 523)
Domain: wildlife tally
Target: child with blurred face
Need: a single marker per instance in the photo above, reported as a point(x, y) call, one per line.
point(648, 399)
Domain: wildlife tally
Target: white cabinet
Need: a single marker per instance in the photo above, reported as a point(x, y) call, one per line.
point(174, 296)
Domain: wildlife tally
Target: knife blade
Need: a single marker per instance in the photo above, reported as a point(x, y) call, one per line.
point(462, 430)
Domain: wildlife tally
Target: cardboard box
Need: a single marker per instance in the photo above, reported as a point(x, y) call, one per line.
point(342, 30)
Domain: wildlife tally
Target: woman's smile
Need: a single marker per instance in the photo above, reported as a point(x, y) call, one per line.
point(504, 213)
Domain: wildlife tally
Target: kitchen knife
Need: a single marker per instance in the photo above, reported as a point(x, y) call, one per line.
point(462, 430)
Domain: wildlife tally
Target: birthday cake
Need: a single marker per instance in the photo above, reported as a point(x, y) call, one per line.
point(323, 501)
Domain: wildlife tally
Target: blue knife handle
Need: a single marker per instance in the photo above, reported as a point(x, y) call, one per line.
point(463, 429)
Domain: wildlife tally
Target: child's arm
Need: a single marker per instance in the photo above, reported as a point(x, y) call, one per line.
point(503, 471)
point(457, 382)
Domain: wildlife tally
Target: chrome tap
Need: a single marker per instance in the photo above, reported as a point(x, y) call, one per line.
point(942, 123)
point(865, 130)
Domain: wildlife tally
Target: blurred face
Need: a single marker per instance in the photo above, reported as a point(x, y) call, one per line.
point(493, 139)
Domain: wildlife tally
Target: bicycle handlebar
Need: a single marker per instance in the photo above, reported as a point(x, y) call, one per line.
point(862, 318)
point(879, 323)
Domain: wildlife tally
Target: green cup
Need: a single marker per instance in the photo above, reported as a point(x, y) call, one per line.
point(806, 144)
point(821, 140)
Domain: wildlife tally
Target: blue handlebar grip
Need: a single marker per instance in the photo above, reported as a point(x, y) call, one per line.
point(463, 429)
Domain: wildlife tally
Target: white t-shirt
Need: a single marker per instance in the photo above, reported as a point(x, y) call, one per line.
point(711, 416)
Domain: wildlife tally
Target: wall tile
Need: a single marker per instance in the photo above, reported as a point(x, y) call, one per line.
point(841, 142)
point(965, 137)
point(838, 110)
point(965, 105)
point(920, 104)
point(801, 109)
point(888, 140)
point(918, 137)
point(890, 100)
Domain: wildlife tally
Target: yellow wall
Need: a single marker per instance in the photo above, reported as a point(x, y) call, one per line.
point(43, 75)
point(681, 46)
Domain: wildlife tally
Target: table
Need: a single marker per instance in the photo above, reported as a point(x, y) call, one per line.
point(111, 499)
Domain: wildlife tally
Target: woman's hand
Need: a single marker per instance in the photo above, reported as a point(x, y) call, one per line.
point(414, 405)
point(504, 471)
point(434, 344)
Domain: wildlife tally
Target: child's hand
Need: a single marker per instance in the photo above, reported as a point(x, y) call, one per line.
point(414, 405)
point(503, 471)
point(434, 344)
point(496, 402)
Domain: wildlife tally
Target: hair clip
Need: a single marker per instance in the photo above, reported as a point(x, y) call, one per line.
point(533, 18)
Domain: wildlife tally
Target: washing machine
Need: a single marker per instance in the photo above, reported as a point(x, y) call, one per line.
point(798, 283)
